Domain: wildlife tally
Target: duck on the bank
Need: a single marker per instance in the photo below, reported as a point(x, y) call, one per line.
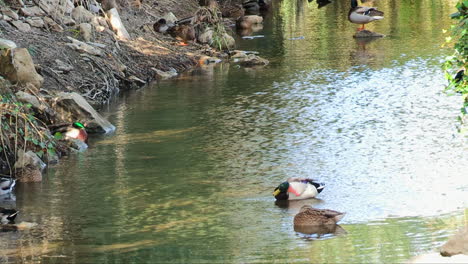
point(184, 32)
point(309, 216)
point(161, 26)
point(6, 185)
point(363, 15)
point(76, 130)
point(7, 216)
point(297, 189)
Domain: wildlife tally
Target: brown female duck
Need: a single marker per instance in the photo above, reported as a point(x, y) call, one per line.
point(309, 216)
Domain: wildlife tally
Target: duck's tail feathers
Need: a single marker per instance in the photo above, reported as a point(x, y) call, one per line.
point(377, 17)
point(12, 216)
point(339, 217)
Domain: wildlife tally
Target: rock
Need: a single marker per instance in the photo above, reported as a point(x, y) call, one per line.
point(72, 107)
point(81, 15)
point(62, 66)
point(83, 47)
point(35, 22)
point(457, 244)
point(245, 22)
point(29, 159)
point(165, 75)
point(68, 21)
point(108, 5)
point(17, 66)
point(86, 31)
point(52, 25)
point(7, 44)
point(367, 34)
point(5, 18)
point(116, 24)
point(94, 8)
point(30, 99)
point(77, 145)
point(99, 21)
point(253, 60)
point(56, 7)
point(32, 11)
point(228, 42)
point(206, 37)
point(23, 27)
point(10, 13)
point(170, 18)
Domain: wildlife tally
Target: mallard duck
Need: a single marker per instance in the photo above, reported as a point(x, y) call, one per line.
point(76, 130)
point(161, 26)
point(363, 15)
point(184, 32)
point(297, 189)
point(309, 216)
point(7, 215)
point(6, 185)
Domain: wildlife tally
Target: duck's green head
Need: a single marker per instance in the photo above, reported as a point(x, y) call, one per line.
point(282, 188)
point(78, 125)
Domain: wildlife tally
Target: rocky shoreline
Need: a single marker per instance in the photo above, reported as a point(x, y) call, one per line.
point(60, 59)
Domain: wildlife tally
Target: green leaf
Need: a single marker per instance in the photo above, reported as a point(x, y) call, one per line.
point(40, 153)
point(58, 136)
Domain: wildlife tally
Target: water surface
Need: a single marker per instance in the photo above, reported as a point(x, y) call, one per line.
point(188, 174)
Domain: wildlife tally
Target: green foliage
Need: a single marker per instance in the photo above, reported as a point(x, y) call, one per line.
point(455, 66)
point(20, 129)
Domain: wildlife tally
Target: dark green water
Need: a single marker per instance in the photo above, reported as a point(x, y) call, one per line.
point(188, 174)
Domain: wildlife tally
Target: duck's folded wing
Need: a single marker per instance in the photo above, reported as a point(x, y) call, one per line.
point(298, 186)
point(361, 10)
point(374, 12)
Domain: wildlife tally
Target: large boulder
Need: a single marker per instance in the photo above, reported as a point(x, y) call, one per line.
point(72, 107)
point(457, 244)
point(17, 66)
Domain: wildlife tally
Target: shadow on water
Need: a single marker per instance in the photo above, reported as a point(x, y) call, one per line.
point(188, 174)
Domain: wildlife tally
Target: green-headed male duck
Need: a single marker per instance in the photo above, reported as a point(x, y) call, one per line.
point(309, 216)
point(297, 189)
point(363, 14)
point(76, 130)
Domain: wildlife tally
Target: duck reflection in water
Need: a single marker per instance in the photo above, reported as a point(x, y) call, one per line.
point(321, 232)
